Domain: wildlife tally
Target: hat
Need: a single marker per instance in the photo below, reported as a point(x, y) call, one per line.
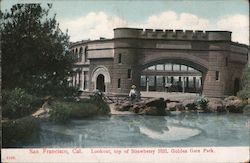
point(133, 86)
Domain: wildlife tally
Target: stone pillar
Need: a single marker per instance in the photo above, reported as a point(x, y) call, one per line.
point(183, 84)
point(147, 86)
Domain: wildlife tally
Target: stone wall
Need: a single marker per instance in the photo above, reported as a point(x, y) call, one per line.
point(210, 52)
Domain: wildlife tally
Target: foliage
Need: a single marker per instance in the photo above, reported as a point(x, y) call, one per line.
point(245, 84)
point(246, 110)
point(17, 103)
point(35, 54)
point(98, 98)
point(20, 132)
point(192, 106)
point(203, 103)
point(83, 109)
point(60, 112)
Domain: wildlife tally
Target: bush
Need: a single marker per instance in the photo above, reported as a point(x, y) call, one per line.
point(17, 103)
point(203, 103)
point(245, 84)
point(20, 132)
point(82, 110)
point(192, 106)
point(98, 98)
point(60, 112)
point(246, 110)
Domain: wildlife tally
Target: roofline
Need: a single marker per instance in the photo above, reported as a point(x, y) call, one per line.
point(171, 29)
point(89, 41)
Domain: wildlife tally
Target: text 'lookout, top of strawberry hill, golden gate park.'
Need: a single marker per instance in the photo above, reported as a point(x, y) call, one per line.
point(206, 62)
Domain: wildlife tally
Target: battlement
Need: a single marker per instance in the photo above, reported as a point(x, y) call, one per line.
point(171, 34)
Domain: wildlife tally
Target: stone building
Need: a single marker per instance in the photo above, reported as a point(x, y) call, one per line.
point(161, 60)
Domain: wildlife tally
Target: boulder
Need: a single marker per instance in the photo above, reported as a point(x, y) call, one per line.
point(235, 106)
point(187, 102)
point(216, 105)
point(231, 98)
point(174, 106)
point(124, 106)
point(137, 108)
point(155, 111)
point(156, 102)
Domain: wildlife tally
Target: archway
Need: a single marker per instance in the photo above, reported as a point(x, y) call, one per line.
point(236, 86)
point(100, 78)
point(100, 85)
point(172, 75)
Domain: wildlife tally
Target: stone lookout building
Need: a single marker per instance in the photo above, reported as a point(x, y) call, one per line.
point(161, 60)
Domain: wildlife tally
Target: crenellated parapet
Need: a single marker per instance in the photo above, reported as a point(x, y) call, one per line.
point(171, 34)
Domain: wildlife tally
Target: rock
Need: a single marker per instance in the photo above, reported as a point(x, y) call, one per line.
point(124, 106)
point(137, 108)
point(216, 105)
point(155, 111)
point(187, 102)
point(156, 102)
point(174, 106)
point(233, 104)
point(231, 98)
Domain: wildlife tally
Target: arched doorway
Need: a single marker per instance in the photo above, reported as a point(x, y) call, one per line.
point(100, 79)
point(236, 86)
point(100, 85)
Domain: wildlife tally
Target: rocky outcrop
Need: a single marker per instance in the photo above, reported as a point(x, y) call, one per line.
point(233, 104)
point(157, 106)
point(124, 106)
point(154, 106)
point(216, 105)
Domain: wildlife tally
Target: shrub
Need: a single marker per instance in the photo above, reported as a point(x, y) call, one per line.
point(245, 84)
point(192, 106)
point(17, 103)
point(60, 112)
point(203, 103)
point(83, 109)
point(20, 132)
point(98, 98)
point(246, 110)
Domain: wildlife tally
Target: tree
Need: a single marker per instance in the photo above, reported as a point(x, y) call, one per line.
point(245, 84)
point(35, 54)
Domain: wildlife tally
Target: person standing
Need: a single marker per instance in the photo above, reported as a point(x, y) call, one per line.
point(132, 93)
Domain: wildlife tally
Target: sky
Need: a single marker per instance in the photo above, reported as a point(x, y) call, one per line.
point(92, 19)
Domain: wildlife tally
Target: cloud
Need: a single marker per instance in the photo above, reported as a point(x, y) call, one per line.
point(238, 24)
point(172, 20)
point(100, 24)
point(92, 26)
